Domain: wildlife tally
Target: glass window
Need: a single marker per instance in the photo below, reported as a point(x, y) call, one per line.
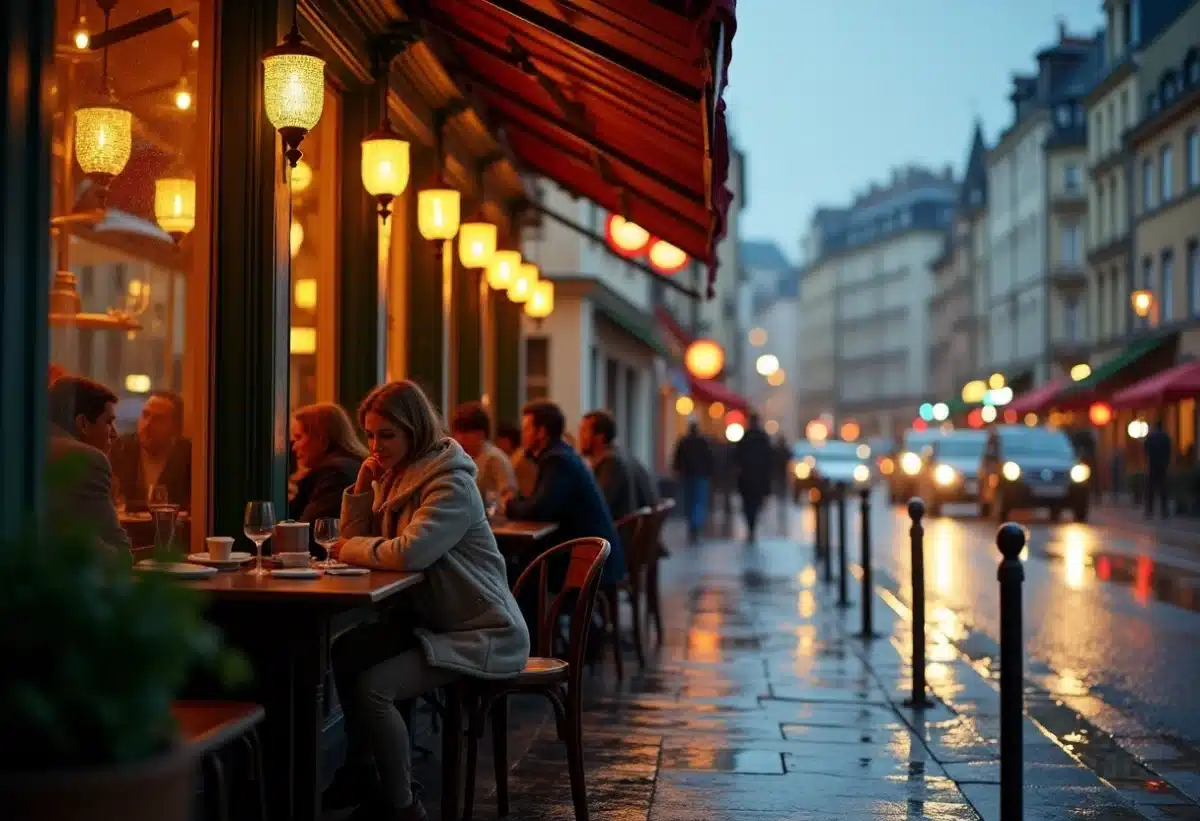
point(537, 367)
point(1167, 291)
point(1193, 277)
point(1167, 176)
point(1072, 177)
point(1072, 253)
point(1192, 148)
point(314, 247)
point(1071, 319)
point(130, 254)
point(1147, 184)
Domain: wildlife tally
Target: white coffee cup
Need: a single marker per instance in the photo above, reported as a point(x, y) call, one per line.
point(293, 559)
point(220, 548)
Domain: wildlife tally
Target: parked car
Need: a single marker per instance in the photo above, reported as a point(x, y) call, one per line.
point(1027, 468)
point(834, 462)
point(953, 475)
point(908, 464)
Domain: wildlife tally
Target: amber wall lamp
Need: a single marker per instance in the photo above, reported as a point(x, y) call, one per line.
point(387, 156)
point(293, 90)
point(439, 206)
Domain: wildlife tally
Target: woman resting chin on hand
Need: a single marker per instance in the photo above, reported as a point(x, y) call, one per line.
point(415, 507)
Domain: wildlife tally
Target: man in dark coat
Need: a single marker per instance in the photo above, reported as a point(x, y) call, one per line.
point(753, 457)
point(157, 454)
point(612, 468)
point(1158, 462)
point(694, 464)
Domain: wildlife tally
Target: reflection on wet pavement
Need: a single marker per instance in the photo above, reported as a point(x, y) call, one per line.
point(762, 706)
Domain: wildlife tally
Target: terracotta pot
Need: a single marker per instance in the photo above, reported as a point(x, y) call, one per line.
point(156, 790)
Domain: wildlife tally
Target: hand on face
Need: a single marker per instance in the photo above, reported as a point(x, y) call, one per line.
point(370, 472)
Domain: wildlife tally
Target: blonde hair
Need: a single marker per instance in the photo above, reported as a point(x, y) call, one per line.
point(405, 405)
point(334, 423)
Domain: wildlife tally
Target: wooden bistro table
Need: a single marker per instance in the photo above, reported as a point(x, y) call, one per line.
point(516, 538)
point(285, 627)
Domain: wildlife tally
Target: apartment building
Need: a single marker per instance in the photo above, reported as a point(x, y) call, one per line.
point(817, 388)
point(883, 258)
point(1164, 146)
point(1035, 215)
point(764, 266)
point(1113, 107)
point(959, 281)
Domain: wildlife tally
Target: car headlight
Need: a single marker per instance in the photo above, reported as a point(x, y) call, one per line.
point(944, 475)
point(1011, 471)
point(802, 470)
point(861, 473)
point(886, 466)
point(1081, 473)
point(910, 463)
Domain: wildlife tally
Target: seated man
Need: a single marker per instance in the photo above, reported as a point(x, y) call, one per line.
point(565, 491)
point(471, 426)
point(614, 474)
point(82, 428)
point(157, 454)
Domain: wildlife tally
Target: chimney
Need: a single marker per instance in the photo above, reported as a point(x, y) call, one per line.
point(948, 173)
point(1062, 29)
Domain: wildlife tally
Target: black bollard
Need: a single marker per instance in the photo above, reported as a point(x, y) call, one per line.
point(843, 547)
point(1011, 541)
point(916, 534)
point(868, 625)
point(814, 496)
point(826, 529)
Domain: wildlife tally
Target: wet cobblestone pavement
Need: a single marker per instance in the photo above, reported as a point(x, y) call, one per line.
point(763, 705)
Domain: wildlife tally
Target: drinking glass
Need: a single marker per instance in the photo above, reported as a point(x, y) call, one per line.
point(258, 525)
point(325, 533)
point(158, 496)
point(118, 497)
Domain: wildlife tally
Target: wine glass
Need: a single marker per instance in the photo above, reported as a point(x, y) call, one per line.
point(325, 533)
point(258, 525)
point(158, 496)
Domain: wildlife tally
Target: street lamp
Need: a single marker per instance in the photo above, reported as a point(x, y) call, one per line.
point(1145, 305)
point(704, 359)
point(767, 364)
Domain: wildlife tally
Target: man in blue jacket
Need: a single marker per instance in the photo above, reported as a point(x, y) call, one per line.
point(565, 491)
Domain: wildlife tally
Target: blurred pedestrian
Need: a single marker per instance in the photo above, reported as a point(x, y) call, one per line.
point(693, 464)
point(1158, 449)
point(753, 456)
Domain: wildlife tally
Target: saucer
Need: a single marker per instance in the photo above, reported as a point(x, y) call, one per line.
point(182, 570)
point(296, 573)
point(236, 559)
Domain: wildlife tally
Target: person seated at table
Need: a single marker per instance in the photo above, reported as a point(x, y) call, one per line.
point(508, 439)
point(157, 454)
point(565, 491)
point(329, 455)
point(494, 475)
point(83, 417)
point(613, 472)
point(415, 508)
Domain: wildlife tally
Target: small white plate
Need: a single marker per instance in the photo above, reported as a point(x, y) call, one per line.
point(236, 559)
point(181, 570)
point(296, 573)
point(347, 571)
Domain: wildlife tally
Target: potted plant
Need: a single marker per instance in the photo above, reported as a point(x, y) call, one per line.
point(93, 654)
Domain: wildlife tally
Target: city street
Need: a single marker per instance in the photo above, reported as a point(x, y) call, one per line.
point(1111, 622)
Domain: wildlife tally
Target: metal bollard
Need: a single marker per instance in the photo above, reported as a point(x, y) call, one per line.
point(814, 497)
point(868, 625)
point(826, 528)
point(843, 547)
point(916, 534)
point(1011, 541)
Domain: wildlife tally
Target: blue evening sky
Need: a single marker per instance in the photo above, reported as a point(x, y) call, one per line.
point(825, 97)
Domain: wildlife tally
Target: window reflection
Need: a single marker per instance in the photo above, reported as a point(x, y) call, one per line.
point(312, 240)
point(128, 272)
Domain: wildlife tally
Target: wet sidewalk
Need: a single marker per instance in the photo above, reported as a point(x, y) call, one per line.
point(763, 705)
point(1179, 531)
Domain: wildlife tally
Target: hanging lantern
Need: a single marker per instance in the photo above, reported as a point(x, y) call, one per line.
point(293, 90)
point(521, 288)
point(503, 269)
point(666, 258)
point(476, 244)
point(438, 213)
point(626, 238)
point(386, 166)
point(1100, 414)
point(704, 359)
point(541, 300)
point(103, 140)
point(175, 205)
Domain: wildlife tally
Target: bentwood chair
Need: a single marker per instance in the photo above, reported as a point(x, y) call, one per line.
point(662, 512)
point(215, 729)
point(634, 530)
point(559, 680)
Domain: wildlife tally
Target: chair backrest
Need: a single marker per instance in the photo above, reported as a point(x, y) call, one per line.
point(585, 559)
point(634, 529)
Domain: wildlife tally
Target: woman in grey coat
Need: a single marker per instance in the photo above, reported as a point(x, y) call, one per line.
point(415, 507)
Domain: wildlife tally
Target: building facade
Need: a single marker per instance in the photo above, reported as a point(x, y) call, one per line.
point(1034, 163)
point(817, 391)
point(764, 268)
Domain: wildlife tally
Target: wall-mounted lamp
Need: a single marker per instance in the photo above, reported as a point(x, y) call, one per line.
point(293, 90)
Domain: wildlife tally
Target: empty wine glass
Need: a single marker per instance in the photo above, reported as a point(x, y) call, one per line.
point(158, 496)
point(258, 525)
point(325, 533)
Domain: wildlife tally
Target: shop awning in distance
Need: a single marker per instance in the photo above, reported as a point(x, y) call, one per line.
point(618, 101)
point(709, 390)
point(1171, 385)
point(1037, 400)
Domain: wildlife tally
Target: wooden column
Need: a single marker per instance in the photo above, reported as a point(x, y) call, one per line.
point(250, 297)
point(468, 335)
point(27, 54)
point(509, 374)
point(362, 298)
point(424, 295)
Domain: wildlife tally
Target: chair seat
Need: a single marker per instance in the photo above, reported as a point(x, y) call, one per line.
point(540, 669)
point(210, 725)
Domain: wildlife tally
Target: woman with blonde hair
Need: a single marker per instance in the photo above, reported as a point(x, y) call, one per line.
point(328, 457)
point(415, 507)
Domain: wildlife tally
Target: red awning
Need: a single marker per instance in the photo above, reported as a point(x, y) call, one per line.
point(618, 101)
point(1038, 399)
point(708, 390)
point(1171, 385)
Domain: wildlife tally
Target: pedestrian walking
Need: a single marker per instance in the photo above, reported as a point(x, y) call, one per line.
point(1158, 460)
point(753, 457)
point(693, 465)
